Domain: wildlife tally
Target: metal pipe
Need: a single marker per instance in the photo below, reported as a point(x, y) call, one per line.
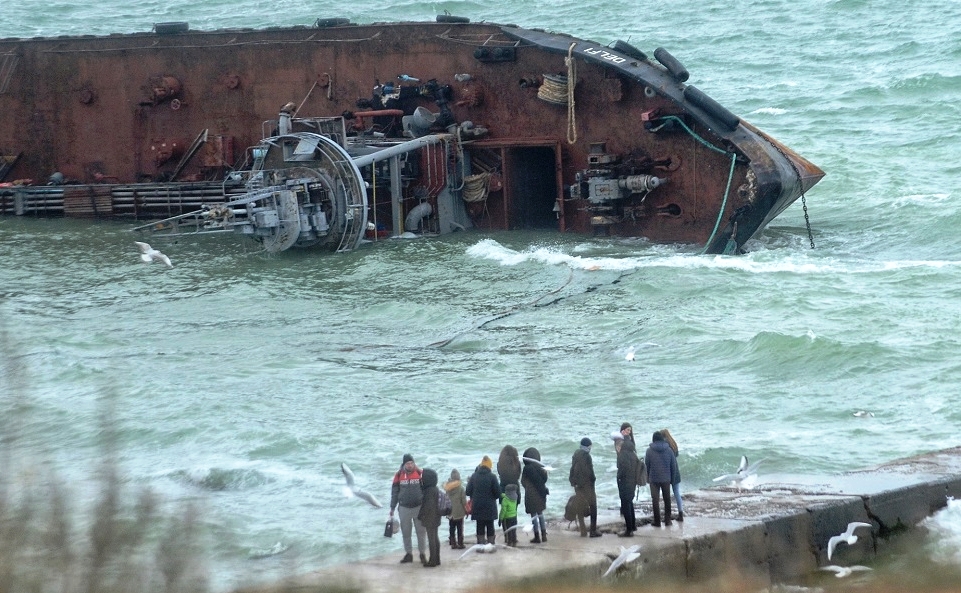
point(369, 159)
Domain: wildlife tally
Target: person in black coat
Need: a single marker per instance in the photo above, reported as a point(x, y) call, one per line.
point(661, 473)
point(429, 515)
point(534, 480)
point(627, 483)
point(582, 478)
point(484, 492)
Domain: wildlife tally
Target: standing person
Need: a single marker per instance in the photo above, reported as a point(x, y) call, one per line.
point(406, 496)
point(509, 467)
point(484, 493)
point(582, 478)
point(676, 484)
point(458, 504)
point(534, 480)
point(508, 514)
point(627, 483)
point(429, 516)
point(661, 471)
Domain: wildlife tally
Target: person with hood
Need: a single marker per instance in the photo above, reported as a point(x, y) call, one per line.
point(484, 493)
point(627, 483)
point(508, 514)
point(661, 473)
point(458, 505)
point(582, 478)
point(406, 496)
point(429, 516)
point(509, 468)
point(676, 484)
point(534, 480)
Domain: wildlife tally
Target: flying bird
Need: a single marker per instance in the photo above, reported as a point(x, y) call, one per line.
point(843, 571)
point(630, 354)
point(483, 549)
point(353, 490)
point(148, 254)
point(527, 528)
point(744, 471)
point(847, 537)
point(538, 462)
point(627, 555)
point(864, 414)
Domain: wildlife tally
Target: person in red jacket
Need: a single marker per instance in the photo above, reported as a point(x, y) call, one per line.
point(406, 496)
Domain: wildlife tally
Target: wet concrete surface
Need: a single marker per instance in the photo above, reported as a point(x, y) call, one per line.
point(774, 532)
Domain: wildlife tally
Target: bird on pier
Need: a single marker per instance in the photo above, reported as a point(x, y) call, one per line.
point(847, 537)
point(148, 255)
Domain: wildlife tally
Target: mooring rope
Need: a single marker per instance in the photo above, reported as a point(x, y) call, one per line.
point(571, 81)
point(475, 187)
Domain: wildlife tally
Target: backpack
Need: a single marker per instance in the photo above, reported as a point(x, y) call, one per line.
point(641, 473)
point(443, 502)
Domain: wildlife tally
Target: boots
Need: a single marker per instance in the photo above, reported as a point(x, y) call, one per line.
point(452, 542)
point(580, 524)
point(537, 537)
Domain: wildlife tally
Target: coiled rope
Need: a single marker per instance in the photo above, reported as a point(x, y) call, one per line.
point(475, 187)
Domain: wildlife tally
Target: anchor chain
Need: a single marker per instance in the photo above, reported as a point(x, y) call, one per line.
point(804, 204)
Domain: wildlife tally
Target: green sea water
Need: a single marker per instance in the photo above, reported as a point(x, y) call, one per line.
point(245, 380)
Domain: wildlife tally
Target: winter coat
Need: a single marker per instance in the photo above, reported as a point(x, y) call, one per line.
point(534, 480)
point(508, 506)
point(484, 492)
point(661, 463)
point(458, 498)
point(582, 476)
point(429, 513)
point(405, 489)
point(509, 467)
point(627, 463)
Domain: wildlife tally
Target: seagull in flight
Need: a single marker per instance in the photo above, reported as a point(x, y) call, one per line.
point(864, 414)
point(483, 549)
point(744, 471)
point(538, 462)
point(148, 254)
point(527, 528)
point(629, 357)
point(353, 490)
point(843, 571)
point(627, 555)
point(847, 537)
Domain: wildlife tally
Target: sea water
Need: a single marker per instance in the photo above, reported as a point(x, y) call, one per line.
point(244, 380)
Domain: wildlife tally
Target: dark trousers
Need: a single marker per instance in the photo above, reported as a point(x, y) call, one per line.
point(433, 544)
point(627, 509)
point(485, 531)
point(456, 531)
point(661, 489)
point(510, 536)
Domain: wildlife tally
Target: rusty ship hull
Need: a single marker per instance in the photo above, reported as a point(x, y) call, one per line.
point(527, 129)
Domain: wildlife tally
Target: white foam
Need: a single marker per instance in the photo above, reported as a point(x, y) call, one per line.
point(770, 111)
point(945, 528)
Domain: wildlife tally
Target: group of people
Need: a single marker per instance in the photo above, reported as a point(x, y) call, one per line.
point(415, 494)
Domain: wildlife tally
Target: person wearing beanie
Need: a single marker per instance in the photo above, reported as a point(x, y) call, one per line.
point(458, 505)
point(534, 480)
point(661, 473)
point(582, 478)
point(627, 462)
point(484, 492)
point(406, 496)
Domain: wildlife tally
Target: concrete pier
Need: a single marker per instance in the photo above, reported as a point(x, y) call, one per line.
point(775, 532)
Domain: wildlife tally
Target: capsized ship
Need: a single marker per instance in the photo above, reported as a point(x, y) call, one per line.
point(327, 134)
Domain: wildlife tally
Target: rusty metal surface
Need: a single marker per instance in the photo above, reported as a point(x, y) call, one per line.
point(125, 108)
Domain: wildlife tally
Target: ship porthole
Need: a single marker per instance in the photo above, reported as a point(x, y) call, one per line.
point(649, 92)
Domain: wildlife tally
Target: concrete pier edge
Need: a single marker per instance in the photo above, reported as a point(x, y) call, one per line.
point(773, 533)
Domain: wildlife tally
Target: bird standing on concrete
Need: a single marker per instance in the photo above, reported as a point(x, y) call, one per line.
point(847, 537)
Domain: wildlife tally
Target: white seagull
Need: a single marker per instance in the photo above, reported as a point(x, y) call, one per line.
point(148, 254)
point(627, 555)
point(843, 571)
point(539, 462)
point(847, 537)
point(353, 490)
point(527, 528)
point(630, 354)
point(864, 414)
point(744, 471)
point(483, 549)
